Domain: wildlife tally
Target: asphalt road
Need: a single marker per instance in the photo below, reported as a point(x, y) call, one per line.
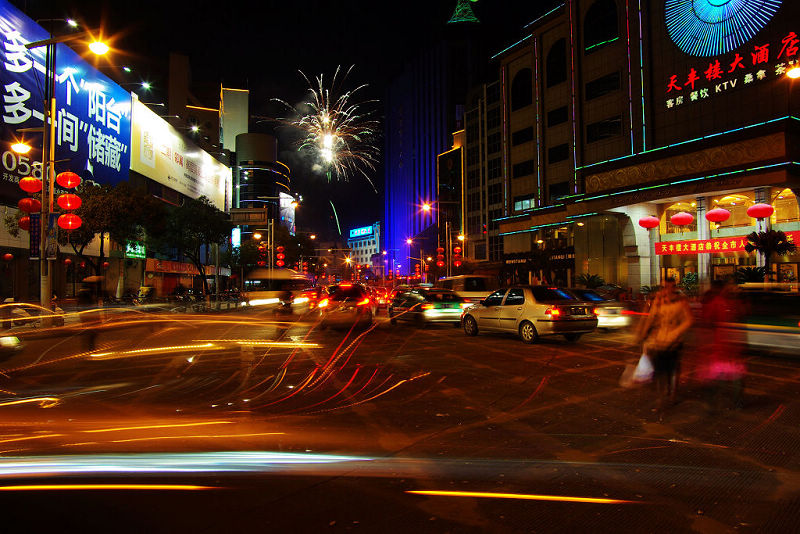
point(254, 423)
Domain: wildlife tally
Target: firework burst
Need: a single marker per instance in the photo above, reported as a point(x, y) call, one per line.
point(340, 132)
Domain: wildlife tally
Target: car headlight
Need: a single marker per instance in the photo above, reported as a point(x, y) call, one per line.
point(9, 342)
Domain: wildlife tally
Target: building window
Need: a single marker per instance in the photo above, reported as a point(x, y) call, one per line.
point(494, 168)
point(493, 93)
point(524, 203)
point(602, 86)
point(496, 194)
point(493, 118)
point(556, 67)
point(522, 136)
point(604, 129)
point(524, 168)
point(473, 179)
point(474, 201)
point(691, 207)
point(557, 116)
point(522, 90)
point(473, 156)
point(493, 143)
point(557, 153)
point(600, 26)
point(558, 191)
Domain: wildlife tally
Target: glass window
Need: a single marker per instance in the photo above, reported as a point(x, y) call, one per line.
point(557, 153)
point(495, 299)
point(522, 89)
point(736, 204)
point(558, 191)
point(602, 86)
point(542, 293)
point(556, 67)
point(494, 168)
point(785, 204)
point(600, 26)
point(688, 207)
point(604, 129)
point(493, 143)
point(557, 116)
point(515, 297)
point(588, 295)
point(493, 118)
point(441, 296)
point(475, 284)
point(341, 293)
point(522, 136)
point(524, 168)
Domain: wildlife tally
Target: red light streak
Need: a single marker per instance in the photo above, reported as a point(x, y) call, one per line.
point(148, 487)
point(523, 496)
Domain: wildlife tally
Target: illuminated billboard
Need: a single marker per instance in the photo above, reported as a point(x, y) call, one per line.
point(92, 112)
point(361, 232)
point(287, 205)
point(159, 152)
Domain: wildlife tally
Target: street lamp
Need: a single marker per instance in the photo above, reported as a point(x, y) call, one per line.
point(257, 236)
point(49, 148)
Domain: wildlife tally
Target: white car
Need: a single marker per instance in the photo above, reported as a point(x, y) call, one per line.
point(530, 312)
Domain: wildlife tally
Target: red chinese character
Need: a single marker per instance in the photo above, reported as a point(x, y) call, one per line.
point(760, 54)
point(673, 83)
point(790, 43)
point(737, 63)
point(693, 77)
point(713, 72)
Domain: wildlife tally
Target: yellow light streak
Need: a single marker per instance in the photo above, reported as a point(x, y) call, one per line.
point(522, 496)
point(148, 427)
point(44, 402)
point(129, 440)
point(26, 438)
point(261, 342)
point(148, 487)
point(102, 355)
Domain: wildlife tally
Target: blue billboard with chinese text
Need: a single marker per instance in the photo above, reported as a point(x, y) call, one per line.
point(93, 113)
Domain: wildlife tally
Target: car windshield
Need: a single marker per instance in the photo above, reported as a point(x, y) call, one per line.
point(476, 284)
point(543, 293)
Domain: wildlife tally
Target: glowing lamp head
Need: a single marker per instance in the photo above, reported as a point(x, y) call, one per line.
point(146, 86)
point(256, 236)
point(426, 207)
point(409, 241)
point(793, 73)
point(461, 237)
point(72, 23)
point(195, 128)
point(98, 47)
point(21, 148)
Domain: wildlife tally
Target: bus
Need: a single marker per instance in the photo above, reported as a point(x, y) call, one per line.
point(266, 286)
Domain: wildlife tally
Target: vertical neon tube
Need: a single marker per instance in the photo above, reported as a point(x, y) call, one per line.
point(539, 194)
point(573, 97)
point(641, 77)
point(506, 177)
point(630, 75)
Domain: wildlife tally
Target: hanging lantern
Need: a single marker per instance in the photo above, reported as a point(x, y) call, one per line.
point(681, 219)
point(649, 222)
point(760, 211)
point(718, 215)
point(24, 223)
point(30, 205)
point(280, 263)
point(83, 265)
point(68, 179)
point(69, 221)
point(68, 201)
point(8, 256)
point(105, 265)
point(457, 250)
point(30, 184)
point(67, 261)
point(456, 263)
point(440, 263)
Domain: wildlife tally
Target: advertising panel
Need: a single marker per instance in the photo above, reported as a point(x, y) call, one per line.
point(92, 112)
point(710, 246)
point(719, 67)
point(287, 204)
point(159, 152)
point(360, 232)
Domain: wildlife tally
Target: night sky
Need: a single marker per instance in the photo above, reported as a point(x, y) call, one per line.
point(261, 45)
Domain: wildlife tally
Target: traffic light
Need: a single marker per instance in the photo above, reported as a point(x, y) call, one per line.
point(457, 256)
point(484, 229)
point(305, 267)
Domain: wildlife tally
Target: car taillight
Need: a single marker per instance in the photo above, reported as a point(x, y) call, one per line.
point(363, 302)
point(465, 305)
point(322, 303)
point(553, 312)
point(596, 311)
point(427, 306)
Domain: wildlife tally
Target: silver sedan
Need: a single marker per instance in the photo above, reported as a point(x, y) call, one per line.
point(530, 312)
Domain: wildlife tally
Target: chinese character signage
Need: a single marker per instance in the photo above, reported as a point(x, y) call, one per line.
point(361, 232)
point(136, 250)
point(159, 152)
point(710, 246)
point(92, 112)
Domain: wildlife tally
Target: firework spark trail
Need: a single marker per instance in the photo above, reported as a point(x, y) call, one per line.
point(339, 131)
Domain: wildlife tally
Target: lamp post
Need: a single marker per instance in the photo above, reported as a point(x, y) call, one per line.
point(49, 150)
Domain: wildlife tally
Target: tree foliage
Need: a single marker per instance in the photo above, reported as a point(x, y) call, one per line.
point(769, 243)
point(590, 281)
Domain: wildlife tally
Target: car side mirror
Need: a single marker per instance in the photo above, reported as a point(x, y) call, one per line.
point(483, 303)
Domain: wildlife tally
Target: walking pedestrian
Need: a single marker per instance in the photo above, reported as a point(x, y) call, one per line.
point(662, 335)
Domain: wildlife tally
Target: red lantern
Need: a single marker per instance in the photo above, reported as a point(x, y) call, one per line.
point(280, 263)
point(440, 263)
point(30, 184)
point(681, 219)
point(69, 221)
point(8, 256)
point(649, 222)
point(30, 205)
point(68, 179)
point(760, 211)
point(718, 215)
point(280, 256)
point(280, 249)
point(457, 250)
point(440, 250)
point(67, 261)
point(105, 265)
point(456, 263)
point(68, 201)
point(83, 264)
point(24, 223)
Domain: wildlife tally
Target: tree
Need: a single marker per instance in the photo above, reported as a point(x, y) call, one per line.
point(193, 225)
point(590, 281)
point(750, 274)
point(769, 243)
point(120, 214)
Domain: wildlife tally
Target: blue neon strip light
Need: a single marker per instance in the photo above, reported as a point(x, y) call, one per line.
point(534, 21)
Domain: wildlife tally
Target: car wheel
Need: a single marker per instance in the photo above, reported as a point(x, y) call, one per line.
point(392, 320)
point(527, 332)
point(572, 338)
point(470, 326)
